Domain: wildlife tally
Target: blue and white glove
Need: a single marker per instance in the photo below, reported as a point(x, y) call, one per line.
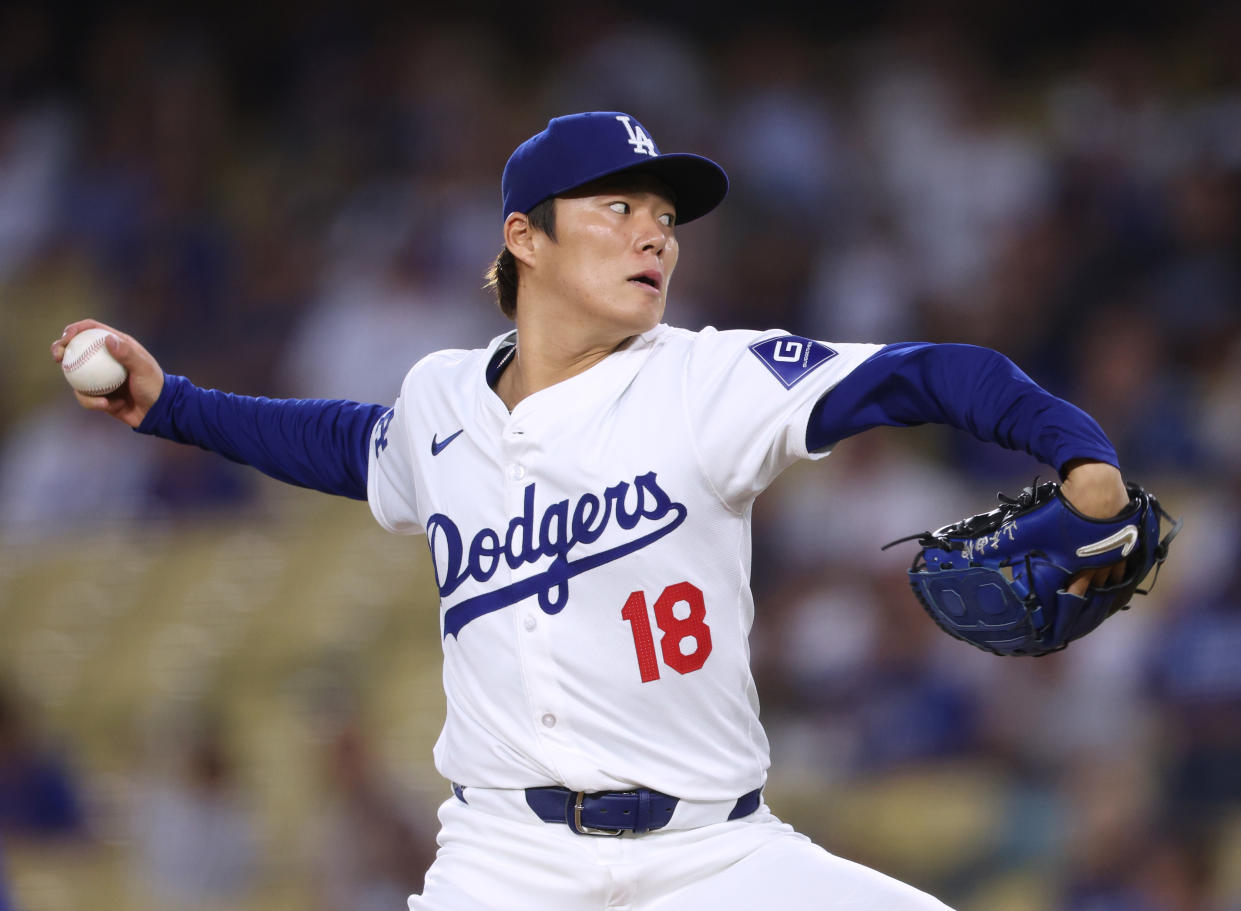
point(999, 580)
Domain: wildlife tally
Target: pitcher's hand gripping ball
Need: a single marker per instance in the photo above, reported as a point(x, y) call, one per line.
point(999, 580)
point(88, 365)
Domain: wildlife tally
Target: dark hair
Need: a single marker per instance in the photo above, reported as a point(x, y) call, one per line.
point(502, 276)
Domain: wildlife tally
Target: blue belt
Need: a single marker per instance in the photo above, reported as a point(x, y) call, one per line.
point(614, 812)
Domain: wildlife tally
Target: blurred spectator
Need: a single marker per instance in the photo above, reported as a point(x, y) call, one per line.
point(857, 682)
point(379, 309)
point(376, 843)
point(55, 443)
point(196, 834)
point(672, 86)
point(5, 903)
point(34, 149)
point(1221, 425)
point(36, 135)
point(1197, 680)
point(40, 796)
point(1125, 380)
point(873, 489)
point(862, 291)
point(957, 174)
point(1158, 873)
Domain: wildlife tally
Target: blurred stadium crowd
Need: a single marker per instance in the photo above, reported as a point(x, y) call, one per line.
point(301, 201)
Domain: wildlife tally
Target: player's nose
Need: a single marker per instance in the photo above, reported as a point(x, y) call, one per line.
point(649, 232)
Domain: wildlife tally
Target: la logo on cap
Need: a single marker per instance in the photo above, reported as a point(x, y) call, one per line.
point(577, 149)
point(642, 143)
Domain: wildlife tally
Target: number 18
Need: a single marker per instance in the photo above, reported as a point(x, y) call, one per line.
point(676, 631)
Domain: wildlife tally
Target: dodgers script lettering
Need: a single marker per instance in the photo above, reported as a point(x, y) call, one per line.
point(553, 534)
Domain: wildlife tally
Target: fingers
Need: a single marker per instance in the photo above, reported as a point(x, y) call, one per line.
point(107, 404)
point(1096, 578)
point(136, 396)
point(122, 346)
point(1095, 489)
point(126, 352)
point(58, 346)
point(1079, 583)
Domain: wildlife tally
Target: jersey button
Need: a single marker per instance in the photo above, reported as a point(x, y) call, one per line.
point(549, 720)
point(516, 472)
point(529, 622)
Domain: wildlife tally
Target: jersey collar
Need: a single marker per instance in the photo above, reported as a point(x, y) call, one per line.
point(502, 348)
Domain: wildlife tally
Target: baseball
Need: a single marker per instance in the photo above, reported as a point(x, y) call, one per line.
point(88, 365)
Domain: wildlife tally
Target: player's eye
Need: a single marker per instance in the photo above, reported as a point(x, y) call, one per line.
point(668, 219)
point(621, 208)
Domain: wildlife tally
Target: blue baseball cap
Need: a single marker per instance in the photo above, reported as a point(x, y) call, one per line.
point(578, 148)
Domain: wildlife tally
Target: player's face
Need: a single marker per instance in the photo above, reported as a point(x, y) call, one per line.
point(614, 254)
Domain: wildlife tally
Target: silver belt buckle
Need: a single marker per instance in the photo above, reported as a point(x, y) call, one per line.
point(577, 819)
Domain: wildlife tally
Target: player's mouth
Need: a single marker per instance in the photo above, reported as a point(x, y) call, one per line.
point(651, 278)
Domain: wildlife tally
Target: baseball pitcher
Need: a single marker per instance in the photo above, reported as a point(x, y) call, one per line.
point(585, 485)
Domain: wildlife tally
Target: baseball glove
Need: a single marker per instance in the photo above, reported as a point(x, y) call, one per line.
point(998, 580)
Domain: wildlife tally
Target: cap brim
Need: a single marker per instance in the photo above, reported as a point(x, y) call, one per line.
point(699, 183)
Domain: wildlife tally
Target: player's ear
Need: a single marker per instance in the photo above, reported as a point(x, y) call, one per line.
point(519, 237)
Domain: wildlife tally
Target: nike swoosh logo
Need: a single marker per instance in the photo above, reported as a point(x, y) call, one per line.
point(437, 447)
point(1126, 539)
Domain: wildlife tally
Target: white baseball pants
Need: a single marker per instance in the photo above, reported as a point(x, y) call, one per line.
point(513, 861)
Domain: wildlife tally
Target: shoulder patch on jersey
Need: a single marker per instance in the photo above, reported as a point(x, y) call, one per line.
point(791, 358)
point(381, 431)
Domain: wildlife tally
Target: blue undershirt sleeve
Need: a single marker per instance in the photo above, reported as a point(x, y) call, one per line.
point(321, 444)
point(973, 389)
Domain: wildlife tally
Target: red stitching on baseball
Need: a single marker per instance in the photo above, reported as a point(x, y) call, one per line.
point(90, 349)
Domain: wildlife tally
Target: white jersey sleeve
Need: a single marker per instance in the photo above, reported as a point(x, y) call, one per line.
point(436, 400)
point(748, 398)
point(390, 487)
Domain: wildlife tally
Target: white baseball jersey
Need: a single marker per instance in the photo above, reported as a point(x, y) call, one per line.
point(592, 553)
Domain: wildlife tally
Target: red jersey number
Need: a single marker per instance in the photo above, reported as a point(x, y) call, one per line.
point(685, 640)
